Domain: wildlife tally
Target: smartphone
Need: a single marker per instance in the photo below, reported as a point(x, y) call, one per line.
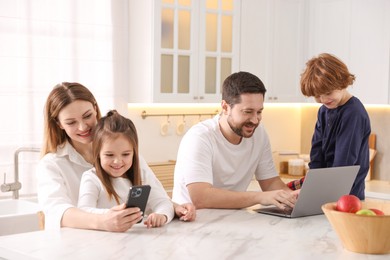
point(138, 197)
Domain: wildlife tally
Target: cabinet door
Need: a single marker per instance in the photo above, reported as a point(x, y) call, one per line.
point(329, 28)
point(254, 35)
point(329, 23)
point(218, 46)
point(370, 46)
point(272, 44)
point(287, 36)
point(175, 50)
point(195, 49)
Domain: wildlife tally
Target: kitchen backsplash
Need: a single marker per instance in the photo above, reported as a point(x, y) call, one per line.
point(289, 126)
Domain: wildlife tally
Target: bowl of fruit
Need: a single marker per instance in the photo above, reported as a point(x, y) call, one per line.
point(362, 226)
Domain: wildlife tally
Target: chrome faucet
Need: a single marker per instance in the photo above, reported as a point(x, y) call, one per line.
point(16, 185)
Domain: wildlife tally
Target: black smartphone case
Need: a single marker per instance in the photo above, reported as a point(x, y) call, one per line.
point(138, 197)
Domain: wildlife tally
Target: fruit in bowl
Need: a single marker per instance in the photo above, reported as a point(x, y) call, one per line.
point(362, 233)
point(378, 212)
point(349, 203)
point(352, 204)
point(367, 212)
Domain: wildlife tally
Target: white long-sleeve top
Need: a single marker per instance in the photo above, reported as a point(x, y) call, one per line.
point(93, 196)
point(58, 182)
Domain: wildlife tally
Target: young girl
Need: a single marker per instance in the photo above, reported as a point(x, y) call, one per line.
point(117, 168)
point(343, 127)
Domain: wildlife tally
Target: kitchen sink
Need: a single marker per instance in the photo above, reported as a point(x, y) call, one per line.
point(18, 216)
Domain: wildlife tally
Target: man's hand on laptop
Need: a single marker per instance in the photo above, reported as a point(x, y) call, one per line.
point(280, 198)
point(290, 201)
point(288, 208)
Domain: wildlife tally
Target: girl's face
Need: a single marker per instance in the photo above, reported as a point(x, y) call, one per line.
point(116, 156)
point(333, 99)
point(78, 119)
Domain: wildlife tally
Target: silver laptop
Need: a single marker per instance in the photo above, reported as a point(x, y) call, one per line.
point(320, 186)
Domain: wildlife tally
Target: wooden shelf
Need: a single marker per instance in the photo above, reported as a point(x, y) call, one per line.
point(288, 176)
point(164, 172)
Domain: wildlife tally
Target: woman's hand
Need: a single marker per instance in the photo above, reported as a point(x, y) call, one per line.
point(155, 220)
point(185, 212)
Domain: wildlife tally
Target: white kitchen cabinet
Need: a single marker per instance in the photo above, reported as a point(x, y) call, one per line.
point(272, 39)
point(278, 37)
point(182, 50)
point(329, 23)
point(358, 32)
point(272, 45)
point(370, 50)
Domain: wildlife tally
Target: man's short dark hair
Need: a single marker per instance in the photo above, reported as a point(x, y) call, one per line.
point(241, 83)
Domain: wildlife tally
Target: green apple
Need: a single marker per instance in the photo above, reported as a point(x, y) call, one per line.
point(367, 212)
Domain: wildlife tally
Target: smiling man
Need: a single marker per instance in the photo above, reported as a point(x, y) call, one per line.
point(218, 157)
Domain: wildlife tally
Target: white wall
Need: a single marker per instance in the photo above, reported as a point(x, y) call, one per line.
point(47, 42)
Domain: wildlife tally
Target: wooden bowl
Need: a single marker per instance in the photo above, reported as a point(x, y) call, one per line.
point(362, 233)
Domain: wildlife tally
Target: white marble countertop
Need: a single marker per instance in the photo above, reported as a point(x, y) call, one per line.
point(216, 234)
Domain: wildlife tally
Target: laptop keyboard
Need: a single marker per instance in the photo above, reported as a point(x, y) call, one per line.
point(278, 210)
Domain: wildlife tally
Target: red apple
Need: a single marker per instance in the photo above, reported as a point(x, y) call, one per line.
point(378, 212)
point(349, 203)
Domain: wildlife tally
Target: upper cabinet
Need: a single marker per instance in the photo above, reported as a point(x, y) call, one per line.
point(194, 46)
point(370, 50)
point(358, 32)
point(182, 50)
point(279, 36)
point(272, 45)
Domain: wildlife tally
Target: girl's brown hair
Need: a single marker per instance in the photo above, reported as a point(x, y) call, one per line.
point(323, 74)
point(62, 95)
point(108, 128)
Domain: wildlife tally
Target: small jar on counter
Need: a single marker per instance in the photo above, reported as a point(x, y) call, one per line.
point(296, 167)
